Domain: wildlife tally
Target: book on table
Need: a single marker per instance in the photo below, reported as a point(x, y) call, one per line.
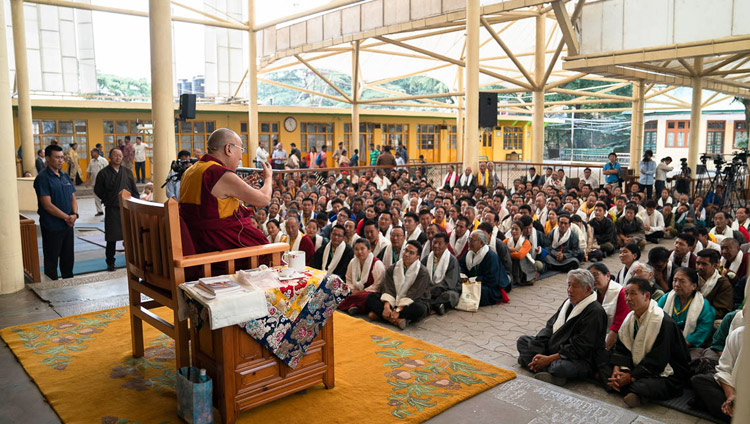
point(219, 287)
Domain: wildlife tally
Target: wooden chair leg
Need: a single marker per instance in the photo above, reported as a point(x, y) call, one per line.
point(181, 342)
point(136, 324)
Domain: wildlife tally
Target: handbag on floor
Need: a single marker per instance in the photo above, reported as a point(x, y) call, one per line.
point(194, 396)
point(471, 293)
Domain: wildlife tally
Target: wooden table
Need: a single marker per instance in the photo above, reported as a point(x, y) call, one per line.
point(246, 373)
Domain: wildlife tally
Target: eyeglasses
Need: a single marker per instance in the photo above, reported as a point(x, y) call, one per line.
point(242, 149)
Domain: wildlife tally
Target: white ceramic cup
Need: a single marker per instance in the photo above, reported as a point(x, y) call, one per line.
point(294, 259)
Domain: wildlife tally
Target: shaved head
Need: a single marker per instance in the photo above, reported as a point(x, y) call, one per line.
point(220, 138)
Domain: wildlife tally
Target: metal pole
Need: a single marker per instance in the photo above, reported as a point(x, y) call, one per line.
point(162, 99)
point(11, 257)
point(695, 116)
point(537, 112)
point(22, 82)
point(471, 146)
point(636, 128)
point(252, 84)
point(460, 142)
point(354, 140)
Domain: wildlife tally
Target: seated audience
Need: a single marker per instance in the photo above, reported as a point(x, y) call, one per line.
point(572, 338)
point(523, 265)
point(482, 263)
point(734, 262)
point(334, 258)
point(629, 254)
point(681, 255)
point(653, 222)
point(611, 296)
point(405, 294)
point(714, 287)
point(443, 268)
point(364, 275)
point(689, 310)
point(459, 238)
point(604, 229)
point(717, 392)
point(630, 228)
point(721, 230)
point(375, 237)
point(392, 252)
point(299, 241)
point(503, 256)
point(564, 253)
point(650, 359)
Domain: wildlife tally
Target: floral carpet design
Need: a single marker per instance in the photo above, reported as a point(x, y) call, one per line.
point(418, 376)
point(158, 356)
point(58, 342)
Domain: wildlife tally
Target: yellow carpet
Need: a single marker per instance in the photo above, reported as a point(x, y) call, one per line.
point(84, 367)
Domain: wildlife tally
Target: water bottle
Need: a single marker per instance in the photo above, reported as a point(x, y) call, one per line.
point(203, 377)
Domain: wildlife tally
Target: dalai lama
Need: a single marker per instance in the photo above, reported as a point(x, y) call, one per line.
point(213, 197)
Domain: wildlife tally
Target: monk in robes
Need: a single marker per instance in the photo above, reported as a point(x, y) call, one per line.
point(213, 198)
point(110, 181)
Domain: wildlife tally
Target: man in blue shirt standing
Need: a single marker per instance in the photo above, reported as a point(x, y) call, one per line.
point(611, 171)
point(58, 212)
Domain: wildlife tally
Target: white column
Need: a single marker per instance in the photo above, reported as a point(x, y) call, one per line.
point(22, 84)
point(354, 140)
point(636, 128)
point(162, 99)
point(471, 146)
point(460, 142)
point(695, 116)
point(11, 258)
point(537, 96)
point(252, 81)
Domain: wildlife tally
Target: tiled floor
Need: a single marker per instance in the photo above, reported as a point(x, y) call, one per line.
point(488, 335)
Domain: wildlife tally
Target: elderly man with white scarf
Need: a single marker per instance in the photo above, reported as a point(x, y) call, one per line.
point(650, 359)
point(573, 337)
point(482, 263)
point(334, 258)
point(445, 286)
point(405, 291)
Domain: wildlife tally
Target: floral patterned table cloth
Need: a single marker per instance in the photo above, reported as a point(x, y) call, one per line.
point(296, 314)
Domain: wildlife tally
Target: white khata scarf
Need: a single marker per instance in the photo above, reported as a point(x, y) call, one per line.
point(318, 241)
point(466, 179)
point(557, 241)
point(610, 301)
point(426, 250)
point(382, 244)
point(639, 344)
point(684, 264)
point(403, 279)
point(577, 309)
point(351, 241)
point(626, 273)
point(295, 244)
point(458, 245)
point(708, 285)
point(388, 255)
point(362, 271)
point(662, 202)
point(277, 239)
point(694, 310)
point(735, 265)
point(541, 215)
point(518, 244)
point(529, 178)
point(336, 257)
point(438, 274)
point(493, 239)
point(415, 234)
point(474, 259)
point(736, 224)
point(727, 233)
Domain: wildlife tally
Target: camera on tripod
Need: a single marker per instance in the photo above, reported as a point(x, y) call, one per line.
point(684, 166)
point(740, 156)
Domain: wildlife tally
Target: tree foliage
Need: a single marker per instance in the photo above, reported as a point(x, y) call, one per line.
point(114, 85)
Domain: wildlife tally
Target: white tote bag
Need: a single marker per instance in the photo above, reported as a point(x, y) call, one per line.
point(471, 293)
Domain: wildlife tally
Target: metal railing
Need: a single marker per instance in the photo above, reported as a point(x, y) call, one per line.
point(507, 171)
point(30, 249)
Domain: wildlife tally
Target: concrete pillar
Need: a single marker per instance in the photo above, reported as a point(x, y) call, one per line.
point(22, 84)
point(11, 258)
point(695, 117)
point(460, 142)
point(252, 81)
point(162, 99)
point(636, 128)
point(471, 146)
point(537, 96)
point(355, 98)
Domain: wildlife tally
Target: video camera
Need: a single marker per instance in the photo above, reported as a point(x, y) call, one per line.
point(179, 166)
point(684, 165)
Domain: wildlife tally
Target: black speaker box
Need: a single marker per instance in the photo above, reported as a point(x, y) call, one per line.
point(187, 106)
point(487, 110)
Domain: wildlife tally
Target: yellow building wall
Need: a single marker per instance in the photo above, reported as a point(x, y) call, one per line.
point(441, 153)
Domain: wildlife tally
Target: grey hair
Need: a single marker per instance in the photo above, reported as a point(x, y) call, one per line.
point(648, 269)
point(583, 277)
point(481, 234)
